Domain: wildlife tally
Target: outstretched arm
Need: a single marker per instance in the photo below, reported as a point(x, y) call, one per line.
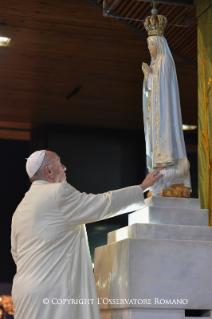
point(80, 208)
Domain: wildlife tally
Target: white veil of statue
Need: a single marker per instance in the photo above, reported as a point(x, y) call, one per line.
point(165, 146)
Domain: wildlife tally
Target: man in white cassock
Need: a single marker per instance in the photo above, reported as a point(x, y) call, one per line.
point(54, 277)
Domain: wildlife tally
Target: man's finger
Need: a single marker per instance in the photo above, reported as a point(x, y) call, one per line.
point(157, 170)
point(158, 176)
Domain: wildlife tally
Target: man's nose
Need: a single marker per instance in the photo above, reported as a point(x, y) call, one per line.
point(64, 168)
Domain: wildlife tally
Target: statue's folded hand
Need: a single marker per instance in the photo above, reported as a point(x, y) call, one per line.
point(146, 69)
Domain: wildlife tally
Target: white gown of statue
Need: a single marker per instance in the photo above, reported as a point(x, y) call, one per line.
point(165, 146)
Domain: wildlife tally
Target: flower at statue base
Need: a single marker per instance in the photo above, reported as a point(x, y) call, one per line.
point(176, 190)
point(6, 306)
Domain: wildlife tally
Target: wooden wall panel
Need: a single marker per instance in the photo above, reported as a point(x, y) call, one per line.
point(57, 46)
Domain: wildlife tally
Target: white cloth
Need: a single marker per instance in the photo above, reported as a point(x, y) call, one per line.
point(165, 146)
point(34, 162)
point(50, 248)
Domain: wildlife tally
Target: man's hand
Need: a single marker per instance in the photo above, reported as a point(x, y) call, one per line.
point(151, 179)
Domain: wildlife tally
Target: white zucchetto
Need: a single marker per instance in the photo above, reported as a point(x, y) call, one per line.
point(34, 162)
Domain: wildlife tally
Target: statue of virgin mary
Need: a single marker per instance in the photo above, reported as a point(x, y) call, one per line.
point(165, 146)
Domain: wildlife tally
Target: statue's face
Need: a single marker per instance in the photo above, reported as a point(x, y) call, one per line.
point(152, 48)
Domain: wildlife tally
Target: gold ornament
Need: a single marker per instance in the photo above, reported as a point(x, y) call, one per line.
point(176, 190)
point(155, 24)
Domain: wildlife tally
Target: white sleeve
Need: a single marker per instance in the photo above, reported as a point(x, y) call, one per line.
point(13, 246)
point(81, 208)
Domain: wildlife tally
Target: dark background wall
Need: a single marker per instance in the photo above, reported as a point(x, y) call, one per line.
point(14, 183)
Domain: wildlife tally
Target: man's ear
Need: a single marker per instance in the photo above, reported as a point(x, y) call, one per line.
point(48, 171)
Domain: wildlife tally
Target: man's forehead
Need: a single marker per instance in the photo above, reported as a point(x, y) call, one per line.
point(53, 155)
point(56, 156)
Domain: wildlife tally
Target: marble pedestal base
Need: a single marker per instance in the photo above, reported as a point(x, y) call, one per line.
point(166, 268)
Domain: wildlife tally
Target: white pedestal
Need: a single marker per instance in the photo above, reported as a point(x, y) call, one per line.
point(160, 268)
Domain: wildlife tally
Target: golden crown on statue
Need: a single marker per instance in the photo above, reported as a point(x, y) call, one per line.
point(155, 24)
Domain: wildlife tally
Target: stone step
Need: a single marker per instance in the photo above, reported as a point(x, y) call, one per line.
point(154, 231)
point(190, 203)
point(171, 216)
